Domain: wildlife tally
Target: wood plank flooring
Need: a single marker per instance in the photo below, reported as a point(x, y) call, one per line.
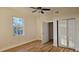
point(37, 46)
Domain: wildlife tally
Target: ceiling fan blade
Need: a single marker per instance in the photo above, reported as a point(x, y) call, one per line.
point(46, 9)
point(42, 12)
point(39, 7)
point(34, 11)
point(36, 7)
point(33, 7)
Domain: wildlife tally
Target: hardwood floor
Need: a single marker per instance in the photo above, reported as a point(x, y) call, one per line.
point(37, 46)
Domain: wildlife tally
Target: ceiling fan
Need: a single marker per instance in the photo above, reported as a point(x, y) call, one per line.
point(40, 9)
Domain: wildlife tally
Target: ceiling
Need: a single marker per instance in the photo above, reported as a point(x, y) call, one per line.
point(53, 10)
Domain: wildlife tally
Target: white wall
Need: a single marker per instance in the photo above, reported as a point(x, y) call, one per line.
point(55, 33)
point(7, 40)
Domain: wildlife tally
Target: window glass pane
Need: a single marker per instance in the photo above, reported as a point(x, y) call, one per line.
point(18, 26)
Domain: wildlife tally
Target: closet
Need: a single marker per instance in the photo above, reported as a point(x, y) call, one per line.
point(65, 33)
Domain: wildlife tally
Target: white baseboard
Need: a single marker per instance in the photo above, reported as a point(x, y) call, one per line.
point(15, 45)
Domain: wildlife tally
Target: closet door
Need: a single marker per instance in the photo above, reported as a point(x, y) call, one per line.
point(71, 33)
point(67, 33)
point(62, 33)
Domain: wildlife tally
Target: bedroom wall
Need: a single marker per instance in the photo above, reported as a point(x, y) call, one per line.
point(7, 40)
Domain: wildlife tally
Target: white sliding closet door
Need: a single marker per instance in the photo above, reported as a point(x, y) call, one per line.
point(62, 33)
point(71, 32)
point(67, 33)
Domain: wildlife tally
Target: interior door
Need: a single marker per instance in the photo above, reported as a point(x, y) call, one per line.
point(45, 32)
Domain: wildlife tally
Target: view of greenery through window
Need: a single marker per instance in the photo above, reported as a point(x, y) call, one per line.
point(18, 24)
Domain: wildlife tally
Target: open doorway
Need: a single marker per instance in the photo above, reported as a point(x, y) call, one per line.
point(47, 32)
point(50, 31)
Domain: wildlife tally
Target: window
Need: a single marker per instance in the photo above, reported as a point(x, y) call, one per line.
point(18, 26)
